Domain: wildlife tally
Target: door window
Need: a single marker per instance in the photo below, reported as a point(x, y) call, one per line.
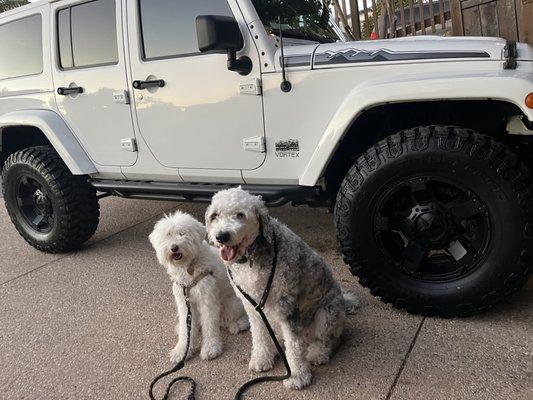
point(168, 27)
point(88, 35)
point(21, 47)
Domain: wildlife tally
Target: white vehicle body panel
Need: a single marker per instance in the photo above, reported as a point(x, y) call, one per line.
point(29, 101)
point(98, 121)
point(199, 119)
point(31, 92)
point(329, 100)
point(59, 135)
point(451, 86)
point(192, 130)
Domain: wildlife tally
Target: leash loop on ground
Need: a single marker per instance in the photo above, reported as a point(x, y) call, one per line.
point(180, 364)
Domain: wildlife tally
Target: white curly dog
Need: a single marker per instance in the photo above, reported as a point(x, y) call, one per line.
point(191, 263)
point(305, 305)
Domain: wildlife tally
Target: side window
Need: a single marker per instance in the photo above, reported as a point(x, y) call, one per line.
point(21, 47)
point(87, 35)
point(169, 26)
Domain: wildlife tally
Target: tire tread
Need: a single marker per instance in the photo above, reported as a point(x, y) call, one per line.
point(79, 210)
point(448, 139)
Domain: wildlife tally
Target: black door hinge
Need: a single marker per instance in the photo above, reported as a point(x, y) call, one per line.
point(510, 52)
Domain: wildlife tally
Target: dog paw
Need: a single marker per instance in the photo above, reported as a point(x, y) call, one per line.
point(317, 354)
point(261, 364)
point(233, 328)
point(238, 326)
point(177, 354)
point(211, 350)
point(244, 324)
point(298, 381)
point(318, 359)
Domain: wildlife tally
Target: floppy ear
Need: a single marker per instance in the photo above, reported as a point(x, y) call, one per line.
point(152, 238)
point(265, 226)
point(200, 230)
point(208, 213)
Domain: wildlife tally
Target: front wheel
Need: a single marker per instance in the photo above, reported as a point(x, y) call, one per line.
point(52, 209)
point(437, 220)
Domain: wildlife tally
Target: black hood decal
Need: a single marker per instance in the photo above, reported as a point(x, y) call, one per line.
point(349, 56)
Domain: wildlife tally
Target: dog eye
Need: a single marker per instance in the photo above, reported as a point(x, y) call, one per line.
point(213, 217)
point(240, 215)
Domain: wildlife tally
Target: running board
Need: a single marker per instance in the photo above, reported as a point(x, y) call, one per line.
point(273, 195)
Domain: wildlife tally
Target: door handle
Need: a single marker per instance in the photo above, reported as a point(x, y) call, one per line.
point(141, 85)
point(65, 91)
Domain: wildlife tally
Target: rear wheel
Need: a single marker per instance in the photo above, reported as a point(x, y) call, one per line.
point(52, 209)
point(437, 220)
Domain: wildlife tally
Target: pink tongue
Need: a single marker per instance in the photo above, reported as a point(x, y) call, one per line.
point(227, 253)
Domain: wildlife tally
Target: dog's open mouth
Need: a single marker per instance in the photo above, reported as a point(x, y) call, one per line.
point(228, 253)
point(176, 256)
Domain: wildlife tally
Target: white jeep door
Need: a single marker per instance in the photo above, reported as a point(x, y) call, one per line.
point(199, 118)
point(90, 77)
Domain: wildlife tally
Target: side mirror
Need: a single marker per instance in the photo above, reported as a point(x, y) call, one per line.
point(217, 34)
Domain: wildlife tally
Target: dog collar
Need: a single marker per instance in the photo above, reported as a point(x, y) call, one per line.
point(246, 256)
point(195, 281)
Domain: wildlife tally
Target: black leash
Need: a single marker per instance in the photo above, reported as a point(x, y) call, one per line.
point(181, 364)
point(259, 308)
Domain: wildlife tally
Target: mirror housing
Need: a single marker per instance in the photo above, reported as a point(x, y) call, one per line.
point(217, 33)
point(221, 34)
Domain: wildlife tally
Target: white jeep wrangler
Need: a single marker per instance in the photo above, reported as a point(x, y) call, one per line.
point(419, 144)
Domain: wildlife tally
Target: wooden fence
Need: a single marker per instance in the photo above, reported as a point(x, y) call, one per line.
point(380, 19)
point(509, 19)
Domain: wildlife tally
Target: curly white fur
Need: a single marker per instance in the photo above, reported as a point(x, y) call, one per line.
point(180, 246)
point(306, 305)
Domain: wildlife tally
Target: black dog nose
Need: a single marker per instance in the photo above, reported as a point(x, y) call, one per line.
point(175, 248)
point(223, 237)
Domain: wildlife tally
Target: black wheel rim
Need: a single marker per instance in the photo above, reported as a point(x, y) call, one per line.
point(34, 204)
point(432, 229)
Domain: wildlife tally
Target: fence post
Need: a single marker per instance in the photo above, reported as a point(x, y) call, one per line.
point(412, 17)
point(342, 16)
point(366, 26)
point(432, 17)
point(442, 17)
point(388, 8)
point(457, 18)
point(402, 18)
point(356, 24)
point(375, 17)
point(422, 16)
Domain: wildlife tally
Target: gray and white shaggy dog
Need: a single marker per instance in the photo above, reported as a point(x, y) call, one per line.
point(305, 305)
point(179, 241)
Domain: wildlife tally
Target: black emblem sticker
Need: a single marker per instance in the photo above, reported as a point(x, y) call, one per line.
point(289, 148)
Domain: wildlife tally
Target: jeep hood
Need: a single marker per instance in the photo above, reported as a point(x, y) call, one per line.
point(411, 49)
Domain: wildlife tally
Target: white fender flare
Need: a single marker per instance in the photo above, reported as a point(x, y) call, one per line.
point(510, 88)
point(58, 134)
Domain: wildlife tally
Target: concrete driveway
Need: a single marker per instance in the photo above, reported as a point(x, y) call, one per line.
point(98, 324)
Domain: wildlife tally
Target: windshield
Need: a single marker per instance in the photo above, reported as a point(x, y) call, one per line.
point(300, 19)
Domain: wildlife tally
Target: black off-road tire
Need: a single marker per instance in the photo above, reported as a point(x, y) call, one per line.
point(72, 200)
point(485, 167)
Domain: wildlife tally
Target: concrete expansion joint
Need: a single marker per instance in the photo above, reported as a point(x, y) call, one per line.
point(404, 361)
